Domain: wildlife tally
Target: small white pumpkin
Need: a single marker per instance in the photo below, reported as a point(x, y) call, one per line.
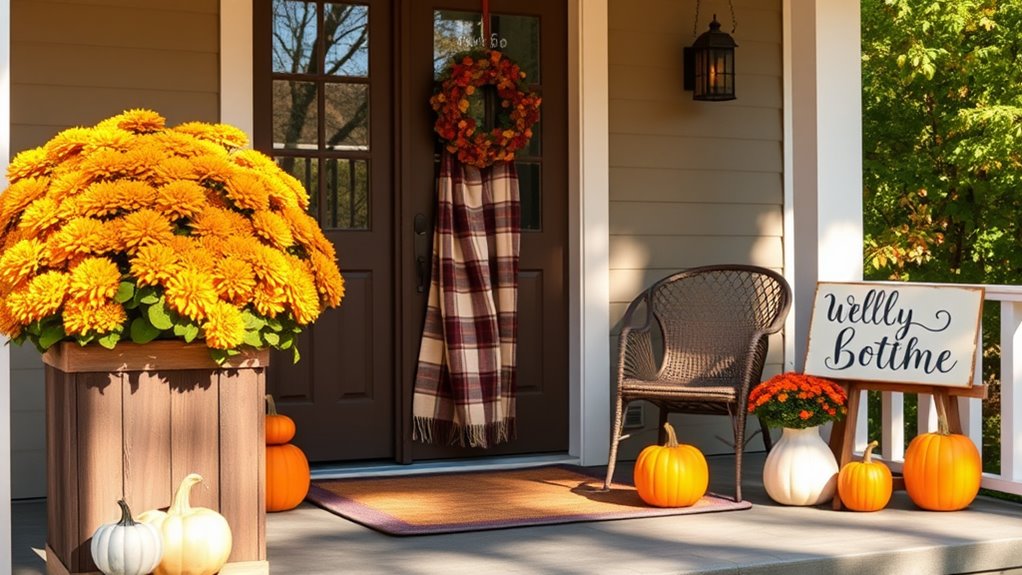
point(126, 547)
point(196, 540)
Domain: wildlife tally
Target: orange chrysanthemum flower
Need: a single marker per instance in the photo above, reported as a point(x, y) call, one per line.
point(269, 300)
point(40, 298)
point(306, 232)
point(83, 318)
point(270, 265)
point(66, 144)
point(221, 134)
point(234, 280)
point(9, 324)
point(180, 199)
point(329, 281)
point(154, 264)
point(106, 136)
point(172, 169)
point(32, 163)
point(273, 229)
point(80, 236)
point(144, 227)
point(41, 216)
point(20, 261)
point(191, 294)
point(20, 195)
point(248, 191)
point(94, 280)
point(106, 164)
point(139, 121)
point(213, 170)
point(300, 292)
point(224, 327)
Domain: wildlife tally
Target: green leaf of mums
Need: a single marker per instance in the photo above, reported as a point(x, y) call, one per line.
point(51, 333)
point(142, 331)
point(252, 338)
point(297, 355)
point(252, 321)
point(272, 338)
point(189, 331)
point(218, 355)
point(110, 340)
point(159, 315)
point(147, 295)
point(274, 324)
point(125, 292)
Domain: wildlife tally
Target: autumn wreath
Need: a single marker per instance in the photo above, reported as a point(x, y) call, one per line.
point(517, 113)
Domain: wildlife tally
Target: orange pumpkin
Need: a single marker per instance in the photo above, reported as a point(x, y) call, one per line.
point(287, 477)
point(672, 475)
point(942, 470)
point(865, 485)
point(280, 429)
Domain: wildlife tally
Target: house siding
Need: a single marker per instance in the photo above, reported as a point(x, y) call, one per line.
point(692, 183)
point(76, 62)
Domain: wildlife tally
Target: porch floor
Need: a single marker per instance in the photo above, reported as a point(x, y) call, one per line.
point(767, 539)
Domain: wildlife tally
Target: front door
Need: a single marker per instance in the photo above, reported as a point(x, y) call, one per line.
point(342, 93)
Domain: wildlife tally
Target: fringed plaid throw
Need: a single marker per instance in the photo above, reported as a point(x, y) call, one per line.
point(465, 382)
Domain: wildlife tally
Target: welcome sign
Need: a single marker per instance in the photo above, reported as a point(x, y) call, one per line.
point(896, 333)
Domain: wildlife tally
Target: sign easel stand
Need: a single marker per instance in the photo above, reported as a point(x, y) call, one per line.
point(842, 435)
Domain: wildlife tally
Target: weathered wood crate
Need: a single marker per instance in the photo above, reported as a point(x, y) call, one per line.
point(132, 422)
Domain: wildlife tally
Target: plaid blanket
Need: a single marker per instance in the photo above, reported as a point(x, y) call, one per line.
point(465, 381)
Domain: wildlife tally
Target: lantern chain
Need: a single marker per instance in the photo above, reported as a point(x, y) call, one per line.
point(734, 21)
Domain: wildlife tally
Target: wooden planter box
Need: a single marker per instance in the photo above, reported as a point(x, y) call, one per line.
point(134, 421)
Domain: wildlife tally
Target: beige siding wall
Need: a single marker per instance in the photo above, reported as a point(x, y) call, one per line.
point(692, 183)
point(75, 62)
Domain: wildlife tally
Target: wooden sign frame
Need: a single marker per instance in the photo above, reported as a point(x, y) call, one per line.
point(842, 435)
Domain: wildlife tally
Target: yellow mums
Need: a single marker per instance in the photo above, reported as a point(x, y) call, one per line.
point(133, 230)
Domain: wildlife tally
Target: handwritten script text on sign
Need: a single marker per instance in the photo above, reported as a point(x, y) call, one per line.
point(894, 333)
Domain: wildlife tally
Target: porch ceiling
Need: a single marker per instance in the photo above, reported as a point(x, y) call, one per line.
point(766, 539)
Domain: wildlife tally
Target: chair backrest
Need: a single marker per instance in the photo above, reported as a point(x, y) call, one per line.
point(715, 321)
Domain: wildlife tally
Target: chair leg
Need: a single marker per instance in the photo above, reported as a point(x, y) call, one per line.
point(662, 433)
point(768, 441)
point(615, 438)
point(738, 421)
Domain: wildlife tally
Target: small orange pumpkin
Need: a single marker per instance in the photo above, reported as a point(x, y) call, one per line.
point(280, 429)
point(672, 475)
point(942, 470)
point(287, 477)
point(865, 485)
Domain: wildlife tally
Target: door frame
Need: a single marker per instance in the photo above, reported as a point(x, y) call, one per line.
point(588, 202)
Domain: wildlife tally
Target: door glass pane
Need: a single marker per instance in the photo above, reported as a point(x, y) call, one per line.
point(522, 36)
point(346, 30)
point(306, 170)
point(454, 32)
point(347, 194)
point(295, 115)
point(529, 188)
point(347, 116)
point(534, 149)
point(294, 35)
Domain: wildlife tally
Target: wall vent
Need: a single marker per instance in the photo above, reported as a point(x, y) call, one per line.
point(634, 416)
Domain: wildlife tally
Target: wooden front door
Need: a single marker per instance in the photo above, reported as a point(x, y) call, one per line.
point(342, 93)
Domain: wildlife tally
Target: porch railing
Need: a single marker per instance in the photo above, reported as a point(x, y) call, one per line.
point(1009, 479)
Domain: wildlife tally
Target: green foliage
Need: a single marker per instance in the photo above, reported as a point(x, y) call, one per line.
point(942, 137)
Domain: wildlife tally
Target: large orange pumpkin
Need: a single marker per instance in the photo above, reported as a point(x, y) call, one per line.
point(672, 475)
point(280, 429)
point(942, 470)
point(287, 477)
point(865, 485)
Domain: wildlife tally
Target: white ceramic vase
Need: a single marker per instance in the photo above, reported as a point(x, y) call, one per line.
point(800, 469)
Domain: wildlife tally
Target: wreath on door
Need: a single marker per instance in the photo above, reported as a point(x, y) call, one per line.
point(462, 82)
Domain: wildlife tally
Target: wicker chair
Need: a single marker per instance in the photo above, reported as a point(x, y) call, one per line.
point(705, 349)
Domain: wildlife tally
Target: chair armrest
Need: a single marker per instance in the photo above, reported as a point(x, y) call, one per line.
point(636, 358)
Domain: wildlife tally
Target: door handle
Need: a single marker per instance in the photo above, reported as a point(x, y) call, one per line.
point(419, 226)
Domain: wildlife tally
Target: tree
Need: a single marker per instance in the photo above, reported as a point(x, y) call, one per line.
point(942, 130)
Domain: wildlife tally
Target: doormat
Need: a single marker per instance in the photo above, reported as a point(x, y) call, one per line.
point(479, 500)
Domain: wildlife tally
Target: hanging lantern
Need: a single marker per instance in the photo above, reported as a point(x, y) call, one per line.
point(710, 64)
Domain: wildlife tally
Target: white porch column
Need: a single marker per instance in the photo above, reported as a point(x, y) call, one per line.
point(589, 272)
point(236, 105)
point(5, 350)
point(823, 158)
point(823, 153)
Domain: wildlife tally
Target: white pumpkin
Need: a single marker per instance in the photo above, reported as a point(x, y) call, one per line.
point(126, 547)
point(196, 540)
